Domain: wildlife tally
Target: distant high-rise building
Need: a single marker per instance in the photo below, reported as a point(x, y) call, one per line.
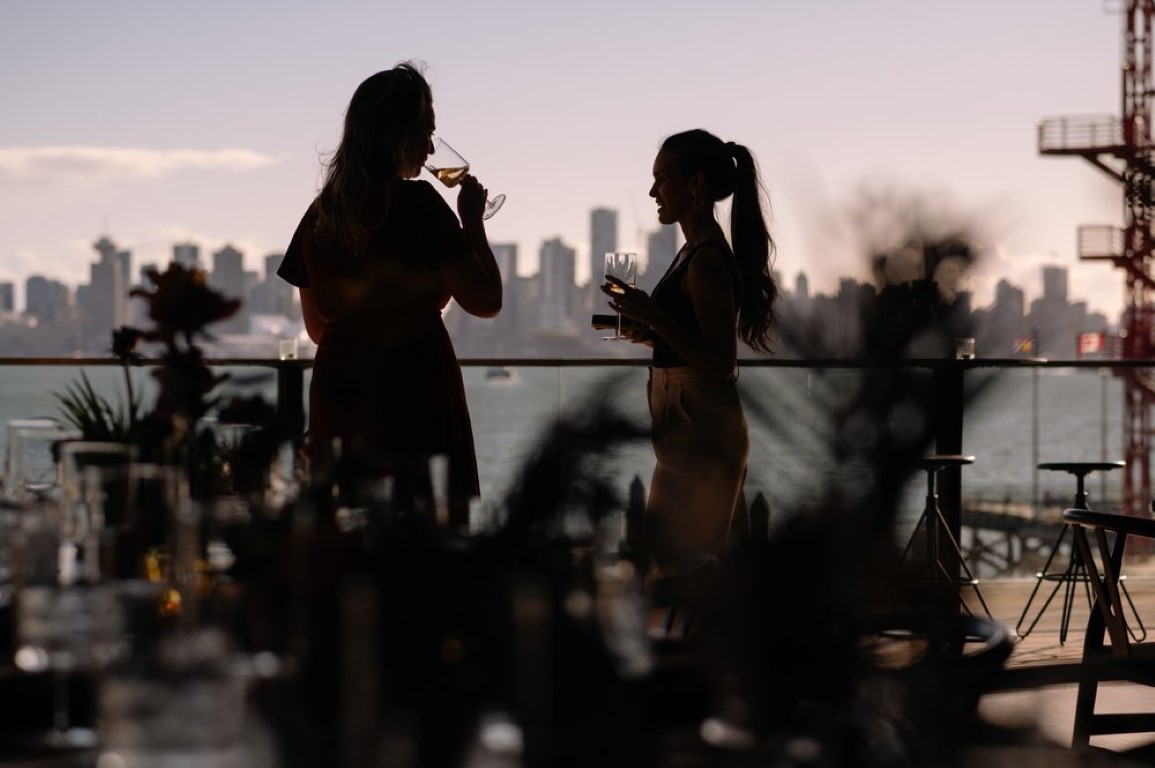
point(187, 255)
point(124, 258)
point(7, 297)
point(661, 248)
point(603, 240)
point(1010, 302)
point(278, 293)
point(228, 270)
point(556, 278)
point(271, 295)
point(1055, 284)
point(228, 277)
point(506, 256)
point(1052, 320)
point(802, 286)
point(47, 300)
point(104, 303)
point(138, 307)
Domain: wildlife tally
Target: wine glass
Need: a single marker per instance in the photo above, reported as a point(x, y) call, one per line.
point(450, 168)
point(622, 267)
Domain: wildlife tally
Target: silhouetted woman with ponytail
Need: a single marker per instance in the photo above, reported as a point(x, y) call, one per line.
point(716, 292)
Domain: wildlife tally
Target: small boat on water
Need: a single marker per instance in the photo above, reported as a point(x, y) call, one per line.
point(498, 373)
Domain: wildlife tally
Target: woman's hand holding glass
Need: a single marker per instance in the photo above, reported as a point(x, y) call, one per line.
point(472, 200)
point(452, 169)
point(634, 306)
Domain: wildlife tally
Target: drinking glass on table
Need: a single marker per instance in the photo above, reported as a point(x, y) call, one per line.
point(63, 630)
point(621, 269)
point(29, 468)
point(450, 168)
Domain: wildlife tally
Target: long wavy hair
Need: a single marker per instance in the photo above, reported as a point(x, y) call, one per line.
point(730, 169)
point(387, 127)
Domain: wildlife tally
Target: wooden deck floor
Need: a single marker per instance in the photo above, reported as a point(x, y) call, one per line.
point(1052, 709)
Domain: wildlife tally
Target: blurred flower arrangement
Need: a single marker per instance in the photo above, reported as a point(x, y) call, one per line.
point(181, 306)
point(96, 417)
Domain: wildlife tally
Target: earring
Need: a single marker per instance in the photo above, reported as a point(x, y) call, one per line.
point(697, 202)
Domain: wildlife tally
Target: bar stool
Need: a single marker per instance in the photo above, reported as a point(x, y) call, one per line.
point(1075, 571)
point(938, 532)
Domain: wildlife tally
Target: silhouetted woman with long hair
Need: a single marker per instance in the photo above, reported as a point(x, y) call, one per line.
point(377, 257)
point(715, 292)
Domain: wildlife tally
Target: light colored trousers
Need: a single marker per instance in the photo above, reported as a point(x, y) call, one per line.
point(701, 444)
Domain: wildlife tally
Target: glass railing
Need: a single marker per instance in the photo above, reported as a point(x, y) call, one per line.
point(1028, 412)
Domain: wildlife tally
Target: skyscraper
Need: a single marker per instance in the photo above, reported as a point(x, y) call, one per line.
point(137, 306)
point(661, 248)
point(278, 293)
point(46, 299)
point(187, 255)
point(7, 297)
point(603, 240)
point(556, 276)
point(506, 256)
point(228, 277)
point(802, 286)
point(1055, 284)
point(104, 303)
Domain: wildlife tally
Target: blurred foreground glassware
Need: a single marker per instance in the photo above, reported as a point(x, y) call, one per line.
point(65, 629)
point(223, 481)
point(964, 348)
point(288, 347)
point(29, 468)
point(92, 477)
point(119, 513)
point(188, 709)
point(450, 168)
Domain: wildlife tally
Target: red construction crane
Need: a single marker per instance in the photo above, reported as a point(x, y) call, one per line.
point(1122, 148)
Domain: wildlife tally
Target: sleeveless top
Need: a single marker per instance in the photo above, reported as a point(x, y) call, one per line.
point(670, 295)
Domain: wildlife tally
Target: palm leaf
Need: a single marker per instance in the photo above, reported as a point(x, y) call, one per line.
point(91, 413)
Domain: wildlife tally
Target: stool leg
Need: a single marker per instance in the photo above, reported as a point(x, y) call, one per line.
point(1040, 577)
point(969, 579)
point(936, 527)
point(932, 520)
point(1076, 572)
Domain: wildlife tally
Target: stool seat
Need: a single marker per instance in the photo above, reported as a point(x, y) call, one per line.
point(1082, 467)
point(942, 461)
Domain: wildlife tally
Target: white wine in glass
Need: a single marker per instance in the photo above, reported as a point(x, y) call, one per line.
point(450, 168)
point(623, 267)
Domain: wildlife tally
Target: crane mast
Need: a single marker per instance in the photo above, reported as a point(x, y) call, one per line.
point(1122, 148)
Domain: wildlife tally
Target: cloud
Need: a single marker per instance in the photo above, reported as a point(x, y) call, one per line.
point(79, 162)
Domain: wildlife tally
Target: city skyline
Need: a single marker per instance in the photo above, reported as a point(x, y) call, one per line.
point(545, 313)
point(117, 120)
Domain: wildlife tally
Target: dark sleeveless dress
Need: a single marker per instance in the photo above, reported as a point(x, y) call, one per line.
point(386, 380)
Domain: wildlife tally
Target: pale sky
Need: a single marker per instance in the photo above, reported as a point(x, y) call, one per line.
point(154, 122)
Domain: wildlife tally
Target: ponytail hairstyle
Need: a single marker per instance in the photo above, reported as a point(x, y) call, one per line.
point(729, 169)
point(387, 128)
